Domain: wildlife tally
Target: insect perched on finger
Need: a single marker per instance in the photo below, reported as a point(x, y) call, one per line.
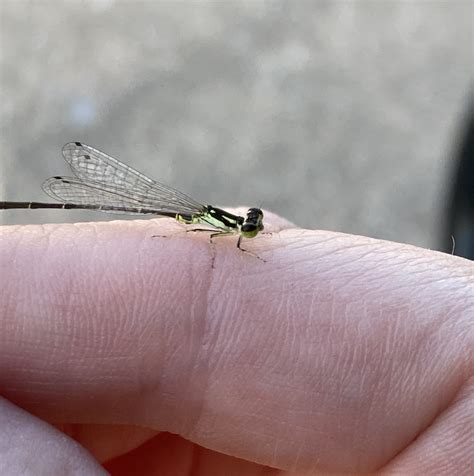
point(105, 184)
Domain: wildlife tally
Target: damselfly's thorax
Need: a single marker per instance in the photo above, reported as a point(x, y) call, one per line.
point(248, 227)
point(224, 218)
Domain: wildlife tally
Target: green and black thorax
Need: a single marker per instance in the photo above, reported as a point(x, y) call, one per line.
point(227, 222)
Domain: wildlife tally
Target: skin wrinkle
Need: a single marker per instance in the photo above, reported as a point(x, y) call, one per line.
point(364, 425)
point(437, 413)
point(201, 353)
point(238, 332)
point(198, 369)
point(378, 393)
point(350, 370)
point(423, 432)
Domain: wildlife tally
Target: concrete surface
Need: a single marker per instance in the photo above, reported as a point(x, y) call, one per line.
point(336, 115)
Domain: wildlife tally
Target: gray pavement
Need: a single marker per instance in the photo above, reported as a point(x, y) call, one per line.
point(336, 115)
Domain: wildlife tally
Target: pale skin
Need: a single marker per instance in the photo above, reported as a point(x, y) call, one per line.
point(337, 354)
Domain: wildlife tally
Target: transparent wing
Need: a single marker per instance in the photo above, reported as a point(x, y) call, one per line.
point(103, 176)
point(72, 190)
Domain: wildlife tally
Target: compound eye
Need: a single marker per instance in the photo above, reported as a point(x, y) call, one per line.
point(248, 227)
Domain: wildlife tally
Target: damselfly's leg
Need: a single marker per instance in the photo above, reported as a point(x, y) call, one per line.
point(220, 233)
point(247, 251)
point(185, 231)
point(212, 232)
point(201, 229)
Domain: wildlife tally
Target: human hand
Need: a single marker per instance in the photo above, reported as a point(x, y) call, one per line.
point(338, 354)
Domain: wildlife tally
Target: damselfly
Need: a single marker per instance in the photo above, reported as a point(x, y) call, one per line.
point(105, 184)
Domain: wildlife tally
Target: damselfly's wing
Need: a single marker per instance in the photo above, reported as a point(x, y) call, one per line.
point(72, 190)
point(103, 180)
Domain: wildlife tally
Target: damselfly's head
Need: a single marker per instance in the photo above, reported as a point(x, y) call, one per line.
point(253, 224)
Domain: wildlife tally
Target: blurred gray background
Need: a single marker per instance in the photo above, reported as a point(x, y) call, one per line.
point(336, 115)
